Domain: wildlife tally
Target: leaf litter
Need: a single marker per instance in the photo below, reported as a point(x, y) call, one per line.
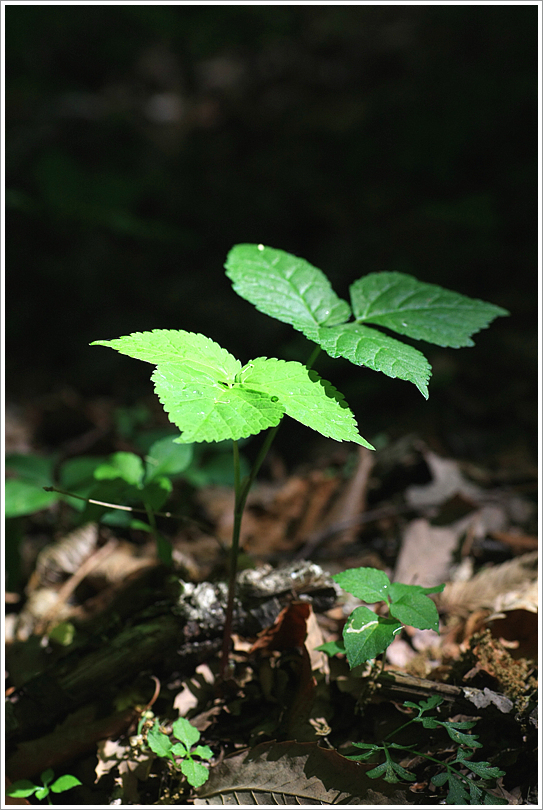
point(278, 727)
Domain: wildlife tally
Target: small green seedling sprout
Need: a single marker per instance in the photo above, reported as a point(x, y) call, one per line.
point(462, 789)
point(195, 772)
point(24, 787)
point(210, 396)
point(366, 634)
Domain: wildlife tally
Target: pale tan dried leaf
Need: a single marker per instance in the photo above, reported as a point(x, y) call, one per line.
point(63, 558)
point(426, 553)
point(497, 588)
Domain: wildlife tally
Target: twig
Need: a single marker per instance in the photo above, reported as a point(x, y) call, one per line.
point(140, 511)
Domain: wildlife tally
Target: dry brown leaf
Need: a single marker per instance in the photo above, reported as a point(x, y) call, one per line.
point(447, 482)
point(62, 558)
point(497, 588)
point(351, 502)
point(292, 773)
point(289, 629)
point(319, 659)
point(426, 554)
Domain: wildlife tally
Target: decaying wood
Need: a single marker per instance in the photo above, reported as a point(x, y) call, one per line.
point(177, 633)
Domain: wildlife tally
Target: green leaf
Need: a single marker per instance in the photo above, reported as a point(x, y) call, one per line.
point(384, 769)
point(180, 750)
point(369, 584)
point(211, 398)
point(462, 739)
point(304, 396)
point(411, 606)
point(391, 771)
point(195, 772)
point(457, 792)
point(440, 778)
point(63, 783)
point(403, 773)
point(368, 347)
point(155, 494)
point(461, 723)
point(41, 793)
point(34, 469)
point(366, 635)
point(475, 793)
point(419, 310)
point(21, 789)
point(62, 633)
point(24, 498)
point(207, 411)
point(203, 751)
point(77, 474)
point(370, 749)
point(285, 287)
point(425, 705)
point(484, 769)
point(165, 346)
point(127, 466)
point(166, 457)
point(332, 647)
point(185, 732)
point(158, 742)
point(428, 722)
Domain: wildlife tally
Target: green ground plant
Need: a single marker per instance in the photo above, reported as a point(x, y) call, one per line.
point(367, 634)
point(24, 787)
point(119, 490)
point(181, 753)
point(210, 396)
point(463, 788)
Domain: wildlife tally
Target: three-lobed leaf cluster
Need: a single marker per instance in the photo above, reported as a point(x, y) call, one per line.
point(366, 634)
point(294, 291)
point(210, 396)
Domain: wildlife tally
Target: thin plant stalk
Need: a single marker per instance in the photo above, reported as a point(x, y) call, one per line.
point(164, 548)
point(242, 488)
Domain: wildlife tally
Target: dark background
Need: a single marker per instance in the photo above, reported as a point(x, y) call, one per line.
point(142, 142)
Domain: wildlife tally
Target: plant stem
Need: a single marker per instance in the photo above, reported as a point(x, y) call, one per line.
point(313, 356)
point(164, 549)
point(242, 488)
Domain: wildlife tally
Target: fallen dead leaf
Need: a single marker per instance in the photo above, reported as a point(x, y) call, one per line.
point(426, 554)
point(292, 773)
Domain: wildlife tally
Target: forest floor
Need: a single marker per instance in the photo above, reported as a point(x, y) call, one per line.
point(85, 599)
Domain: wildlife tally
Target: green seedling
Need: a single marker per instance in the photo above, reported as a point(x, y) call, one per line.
point(180, 753)
point(366, 634)
point(462, 788)
point(210, 396)
point(149, 484)
point(24, 787)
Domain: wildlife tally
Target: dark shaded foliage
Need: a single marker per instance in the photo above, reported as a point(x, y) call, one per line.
point(142, 142)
